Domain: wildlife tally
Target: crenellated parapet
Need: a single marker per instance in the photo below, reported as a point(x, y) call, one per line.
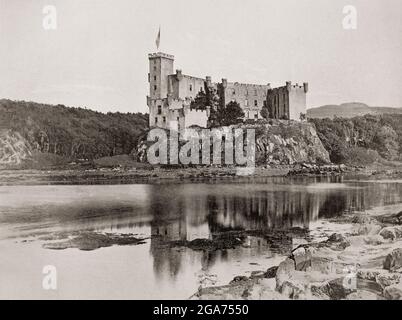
point(160, 55)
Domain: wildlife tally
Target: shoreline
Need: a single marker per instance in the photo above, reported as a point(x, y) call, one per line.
point(155, 175)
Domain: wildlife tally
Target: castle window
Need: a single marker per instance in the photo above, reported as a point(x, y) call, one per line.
point(154, 68)
point(191, 87)
point(155, 87)
point(234, 92)
point(156, 119)
point(155, 78)
point(255, 103)
point(164, 119)
point(159, 109)
point(178, 119)
point(256, 116)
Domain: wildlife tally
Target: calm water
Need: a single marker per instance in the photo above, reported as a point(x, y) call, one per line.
point(167, 212)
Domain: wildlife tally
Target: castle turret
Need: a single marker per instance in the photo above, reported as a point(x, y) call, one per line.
point(208, 81)
point(305, 85)
point(288, 85)
point(160, 66)
point(179, 74)
point(224, 83)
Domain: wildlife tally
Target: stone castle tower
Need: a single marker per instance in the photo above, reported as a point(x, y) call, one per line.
point(171, 93)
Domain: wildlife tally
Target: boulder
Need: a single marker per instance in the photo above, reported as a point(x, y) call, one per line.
point(337, 289)
point(271, 272)
point(393, 261)
point(302, 258)
point(391, 233)
point(391, 219)
point(393, 292)
point(368, 274)
point(387, 279)
point(338, 241)
point(293, 289)
point(284, 271)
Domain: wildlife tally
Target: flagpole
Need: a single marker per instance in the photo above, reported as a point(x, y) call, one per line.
point(158, 39)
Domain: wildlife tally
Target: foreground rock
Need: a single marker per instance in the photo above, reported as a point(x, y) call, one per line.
point(363, 262)
point(224, 243)
point(88, 241)
point(393, 292)
point(393, 261)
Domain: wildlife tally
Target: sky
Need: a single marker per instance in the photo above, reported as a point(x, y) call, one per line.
point(97, 55)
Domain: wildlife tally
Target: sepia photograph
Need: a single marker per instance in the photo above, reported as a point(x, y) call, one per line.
point(215, 150)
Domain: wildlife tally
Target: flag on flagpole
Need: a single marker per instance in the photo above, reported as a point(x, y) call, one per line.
point(158, 39)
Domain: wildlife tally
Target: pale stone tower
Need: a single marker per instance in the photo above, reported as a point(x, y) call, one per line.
point(160, 67)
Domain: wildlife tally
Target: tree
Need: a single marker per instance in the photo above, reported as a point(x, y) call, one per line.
point(210, 98)
point(232, 114)
point(200, 102)
point(265, 113)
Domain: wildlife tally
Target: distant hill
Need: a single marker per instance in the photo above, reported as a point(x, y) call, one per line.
point(349, 110)
point(29, 128)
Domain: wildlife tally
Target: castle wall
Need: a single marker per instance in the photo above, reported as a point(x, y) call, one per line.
point(183, 86)
point(287, 102)
point(158, 113)
point(278, 103)
point(196, 117)
point(297, 101)
point(176, 120)
point(250, 97)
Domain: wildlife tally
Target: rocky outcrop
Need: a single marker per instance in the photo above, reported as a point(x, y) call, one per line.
point(13, 148)
point(289, 142)
point(277, 142)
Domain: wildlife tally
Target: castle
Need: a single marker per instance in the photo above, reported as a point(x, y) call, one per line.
point(171, 94)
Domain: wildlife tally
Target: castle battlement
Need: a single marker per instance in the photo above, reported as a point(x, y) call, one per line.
point(249, 85)
point(160, 55)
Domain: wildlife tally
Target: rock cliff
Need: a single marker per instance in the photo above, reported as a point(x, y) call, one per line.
point(277, 142)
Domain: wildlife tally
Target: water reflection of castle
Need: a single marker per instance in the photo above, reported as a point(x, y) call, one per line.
point(206, 211)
